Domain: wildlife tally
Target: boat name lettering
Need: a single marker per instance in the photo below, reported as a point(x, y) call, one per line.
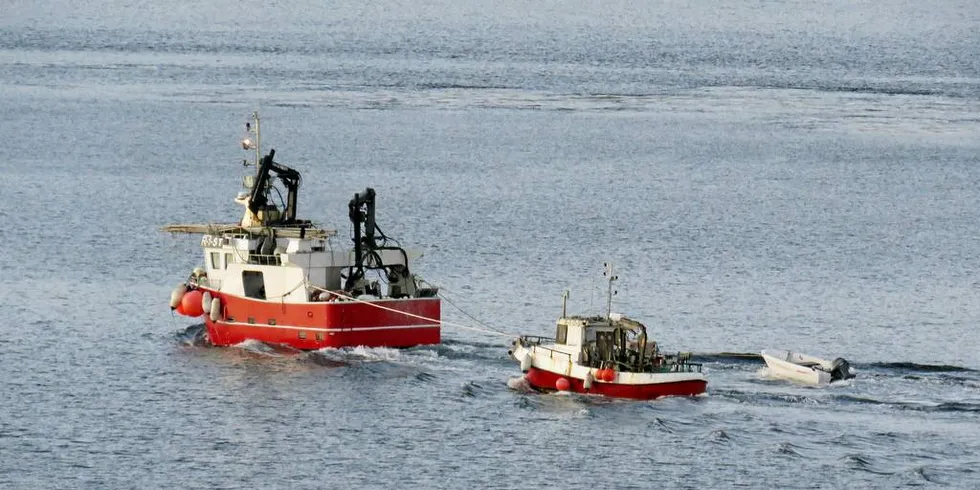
point(210, 241)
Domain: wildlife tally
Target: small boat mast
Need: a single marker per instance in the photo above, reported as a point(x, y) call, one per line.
point(607, 272)
point(248, 144)
point(609, 294)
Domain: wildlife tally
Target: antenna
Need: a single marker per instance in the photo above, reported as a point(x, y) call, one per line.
point(564, 302)
point(612, 278)
point(247, 143)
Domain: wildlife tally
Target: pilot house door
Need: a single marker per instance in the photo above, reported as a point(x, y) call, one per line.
point(604, 342)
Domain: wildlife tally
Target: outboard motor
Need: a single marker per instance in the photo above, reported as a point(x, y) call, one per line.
point(840, 370)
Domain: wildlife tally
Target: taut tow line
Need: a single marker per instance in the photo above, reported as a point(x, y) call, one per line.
point(420, 317)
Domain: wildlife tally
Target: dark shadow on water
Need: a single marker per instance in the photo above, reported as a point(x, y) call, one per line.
point(925, 474)
point(728, 358)
point(472, 389)
point(325, 361)
point(488, 345)
point(193, 336)
point(718, 436)
point(912, 367)
point(526, 401)
point(862, 462)
point(496, 354)
point(787, 449)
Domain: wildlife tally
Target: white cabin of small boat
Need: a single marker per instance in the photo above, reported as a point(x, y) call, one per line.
point(588, 339)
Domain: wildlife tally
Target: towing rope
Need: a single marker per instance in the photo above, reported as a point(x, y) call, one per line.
point(420, 317)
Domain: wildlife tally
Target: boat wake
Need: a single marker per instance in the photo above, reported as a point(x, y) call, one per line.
point(417, 364)
point(266, 350)
point(358, 355)
point(519, 384)
point(819, 397)
point(451, 355)
point(733, 359)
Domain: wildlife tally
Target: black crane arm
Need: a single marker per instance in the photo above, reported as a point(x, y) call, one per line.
point(289, 177)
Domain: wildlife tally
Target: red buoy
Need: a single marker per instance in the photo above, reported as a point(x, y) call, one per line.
point(610, 375)
point(179, 308)
point(562, 384)
point(191, 303)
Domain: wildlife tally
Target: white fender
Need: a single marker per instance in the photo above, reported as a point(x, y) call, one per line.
point(525, 363)
point(588, 381)
point(176, 295)
point(206, 302)
point(215, 310)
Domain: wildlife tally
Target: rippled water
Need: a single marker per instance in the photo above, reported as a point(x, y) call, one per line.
point(798, 175)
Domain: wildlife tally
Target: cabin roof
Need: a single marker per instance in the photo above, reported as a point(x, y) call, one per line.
point(601, 322)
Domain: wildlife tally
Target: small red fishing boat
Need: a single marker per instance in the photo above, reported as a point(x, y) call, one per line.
point(610, 356)
point(278, 279)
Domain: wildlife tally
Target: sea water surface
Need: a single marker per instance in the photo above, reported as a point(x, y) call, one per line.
point(762, 174)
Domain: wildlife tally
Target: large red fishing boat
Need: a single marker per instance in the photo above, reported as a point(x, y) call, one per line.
point(278, 279)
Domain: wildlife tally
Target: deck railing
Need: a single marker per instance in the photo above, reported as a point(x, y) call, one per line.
point(535, 341)
point(677, 363)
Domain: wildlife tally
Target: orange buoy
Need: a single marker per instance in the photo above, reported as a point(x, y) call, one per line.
point(562, 384)
point(191, 303)
point(179, 308)
point(609, 375)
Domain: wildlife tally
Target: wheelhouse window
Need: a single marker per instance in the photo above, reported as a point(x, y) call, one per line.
point(215, 260)
point(254, 284)
point(561, 336)
point(228, 260)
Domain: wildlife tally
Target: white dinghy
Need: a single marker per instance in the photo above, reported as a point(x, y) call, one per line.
point(805, 369)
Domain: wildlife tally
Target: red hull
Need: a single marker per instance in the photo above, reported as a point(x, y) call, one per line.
point(545, 381)
point(315, 325)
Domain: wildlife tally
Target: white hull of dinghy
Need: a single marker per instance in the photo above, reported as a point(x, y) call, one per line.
point(800, 368)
